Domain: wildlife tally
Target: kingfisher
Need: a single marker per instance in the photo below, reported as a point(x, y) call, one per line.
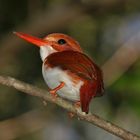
point(68, 72)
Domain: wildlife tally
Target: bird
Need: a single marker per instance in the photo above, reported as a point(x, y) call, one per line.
point(67, 70)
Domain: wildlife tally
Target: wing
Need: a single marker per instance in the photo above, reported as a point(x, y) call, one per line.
point(83, 66)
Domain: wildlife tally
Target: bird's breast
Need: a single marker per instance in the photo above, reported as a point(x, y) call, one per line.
point(54, 76)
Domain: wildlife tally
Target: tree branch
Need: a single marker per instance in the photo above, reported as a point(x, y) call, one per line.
point(91, 118)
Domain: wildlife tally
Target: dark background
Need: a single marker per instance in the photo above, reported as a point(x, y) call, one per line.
point(108, 31)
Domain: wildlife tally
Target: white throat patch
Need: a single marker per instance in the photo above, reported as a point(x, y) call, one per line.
point(45, 51)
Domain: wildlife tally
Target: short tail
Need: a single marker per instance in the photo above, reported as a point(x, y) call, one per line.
point(87, 92)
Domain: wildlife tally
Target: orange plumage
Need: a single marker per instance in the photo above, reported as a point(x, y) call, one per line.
point(67, 70)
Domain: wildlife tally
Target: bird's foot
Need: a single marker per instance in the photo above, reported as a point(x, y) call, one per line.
point(77, 104)
point(53, 91)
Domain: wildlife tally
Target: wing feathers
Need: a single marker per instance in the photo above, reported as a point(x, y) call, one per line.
point(73, 61)
point(82, 66)
point(87, 92)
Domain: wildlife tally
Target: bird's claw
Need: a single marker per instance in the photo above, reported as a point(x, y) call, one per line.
point(53, 93)
point(77, 104)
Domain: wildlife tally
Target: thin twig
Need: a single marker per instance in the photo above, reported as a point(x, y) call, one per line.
point(91, 118)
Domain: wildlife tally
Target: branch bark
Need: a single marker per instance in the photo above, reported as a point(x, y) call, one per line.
point(91, 118)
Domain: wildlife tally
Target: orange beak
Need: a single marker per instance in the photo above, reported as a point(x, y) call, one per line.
point(34, 40)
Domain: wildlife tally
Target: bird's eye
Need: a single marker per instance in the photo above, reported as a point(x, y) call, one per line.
point(61, 41)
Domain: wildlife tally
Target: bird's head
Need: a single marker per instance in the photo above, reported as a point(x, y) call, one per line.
point(55, 42)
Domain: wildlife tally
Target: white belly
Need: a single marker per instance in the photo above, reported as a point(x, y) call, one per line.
point(53, 77)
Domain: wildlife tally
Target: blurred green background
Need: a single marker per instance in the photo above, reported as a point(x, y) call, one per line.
point(107, 30)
